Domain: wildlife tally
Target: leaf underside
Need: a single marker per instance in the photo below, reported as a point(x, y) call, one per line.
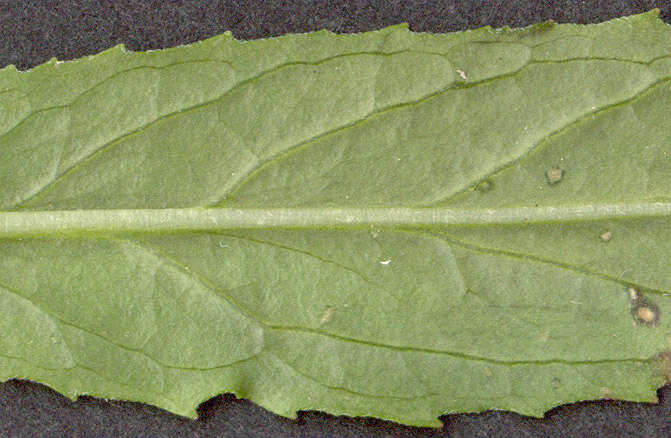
point(388, 224)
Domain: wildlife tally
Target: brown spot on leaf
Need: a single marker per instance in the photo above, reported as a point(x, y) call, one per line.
point(646, 315)
point(663, 360)
point(643, 310)
point(554, 175)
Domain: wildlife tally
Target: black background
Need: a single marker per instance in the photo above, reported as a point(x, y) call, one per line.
point(32, 32)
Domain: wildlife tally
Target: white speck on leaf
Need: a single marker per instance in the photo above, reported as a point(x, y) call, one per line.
point(327, 315)
point(385, 262)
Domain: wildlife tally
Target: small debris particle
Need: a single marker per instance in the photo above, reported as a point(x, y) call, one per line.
point(485, 186)
point(606, 235)
point(462, 74)
point(633, 293)
point(222, 245)
point(556, 383)
point(554, 175)
point(385, 262)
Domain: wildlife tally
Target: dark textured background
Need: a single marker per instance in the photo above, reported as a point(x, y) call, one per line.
point(32, 32)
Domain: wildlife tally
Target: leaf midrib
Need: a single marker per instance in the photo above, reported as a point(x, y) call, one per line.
point(14, 224)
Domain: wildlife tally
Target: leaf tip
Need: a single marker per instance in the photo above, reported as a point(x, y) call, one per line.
point(10, 67)
point(653, 13)
point(543, 26)
point(398, 27)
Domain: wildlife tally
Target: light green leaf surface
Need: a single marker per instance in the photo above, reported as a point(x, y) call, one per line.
point(389, 224)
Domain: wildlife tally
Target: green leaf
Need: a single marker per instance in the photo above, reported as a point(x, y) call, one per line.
point(389, 224)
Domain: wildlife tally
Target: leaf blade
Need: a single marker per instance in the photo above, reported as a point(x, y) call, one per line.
point(390, 224)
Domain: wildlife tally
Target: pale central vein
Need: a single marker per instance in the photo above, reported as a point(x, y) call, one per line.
point(198, 219)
